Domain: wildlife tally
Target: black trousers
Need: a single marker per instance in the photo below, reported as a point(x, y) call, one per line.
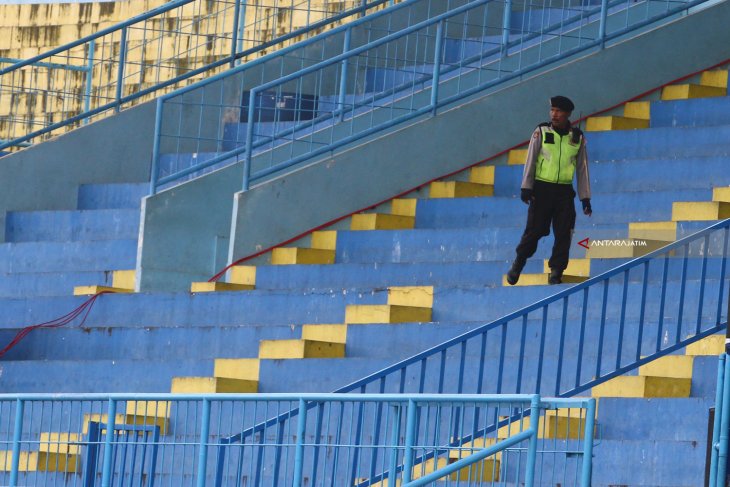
point(553, 204)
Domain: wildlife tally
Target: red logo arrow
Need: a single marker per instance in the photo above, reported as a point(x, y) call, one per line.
point(584, 243)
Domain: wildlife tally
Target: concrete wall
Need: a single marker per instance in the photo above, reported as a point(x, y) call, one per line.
point(46, 176)
point(351, 179)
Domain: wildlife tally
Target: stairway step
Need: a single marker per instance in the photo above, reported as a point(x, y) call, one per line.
point(64, 226)
point(112, 196)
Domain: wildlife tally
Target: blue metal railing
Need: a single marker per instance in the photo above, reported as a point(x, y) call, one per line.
point(721, 426)
point(585, 335)
point(351, 92)
point(159, 50)
point(574, 340)
point(166, 439)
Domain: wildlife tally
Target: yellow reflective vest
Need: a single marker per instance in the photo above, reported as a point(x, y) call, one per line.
point(558, 155)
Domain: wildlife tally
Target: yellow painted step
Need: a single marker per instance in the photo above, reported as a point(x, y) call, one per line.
point(517, 157)
point(386, 313)
point(576, 267)
point(717, 78)
point(643, 386)
point(325, 239)
point(721, 194)
point(459, 189)
point(404, 206)
point(237, 368)
point(294, 255)
point(64, 443)
point(381, 221)
point(124, 279)
point(676, 366)
point(485, 471)
point(542, 280)
point(623, 248)
point(298, 349)
point(482, 175)
point(148, 413)
point(420, 296)
point(28, 461)
point(700, 210)
point(212, 385)
point(638, 109)
point(596, 124)
point(91, 290)
point(686, 91)
point(711, 345)
point(209, 287)
point(334, 333)
point(662, 230)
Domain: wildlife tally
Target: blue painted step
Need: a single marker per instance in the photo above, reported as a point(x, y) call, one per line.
point(64, 226)
point(611, 209)
point(38, 284)
point(98, 375)
point(374, 275)
point(111, 196)
point(142, 343)
point(101, 255)
point(696, 112)
point(663, 142)
point(635, 175)
point(184, 309)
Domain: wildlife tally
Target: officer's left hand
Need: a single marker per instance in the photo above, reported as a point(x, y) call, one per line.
point(587, 210)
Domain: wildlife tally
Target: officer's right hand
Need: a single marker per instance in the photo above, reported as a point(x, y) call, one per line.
point(526, 195)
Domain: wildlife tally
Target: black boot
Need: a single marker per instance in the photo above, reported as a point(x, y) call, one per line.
point(513, 274)
point(556, 276)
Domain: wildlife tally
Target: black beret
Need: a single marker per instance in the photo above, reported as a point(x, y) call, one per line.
point(562, 103)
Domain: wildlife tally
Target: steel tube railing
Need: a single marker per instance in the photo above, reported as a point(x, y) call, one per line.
point(312, 132)
point(140, 445)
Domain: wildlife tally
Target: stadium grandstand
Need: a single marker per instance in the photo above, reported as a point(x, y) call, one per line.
point(266, 243)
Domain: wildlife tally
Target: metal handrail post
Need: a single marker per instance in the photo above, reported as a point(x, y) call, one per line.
point(602, 25)
point(410, 441)
point(154, 171)
point(716, 423)
point(120, 69)
point(234, 33)
point(249, 139)
point(590, 425)
point(506, 20)
point(532, 448)
point(204, 434)
point(722, 449)
point(438, 53)
point(394, 435)
point(106, 469)
point(15, 462)
point(89, 78)
point(343, 75)
point(299, 452)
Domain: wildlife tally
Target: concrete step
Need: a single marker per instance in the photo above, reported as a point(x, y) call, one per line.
point(659, 142)
point(40, 284)
point(101, 255)
point(65, 226)
point(634, 175)
point(617, 209)
point(118, 375)
point(111, 196)
point(184, 309)
point(696, 112)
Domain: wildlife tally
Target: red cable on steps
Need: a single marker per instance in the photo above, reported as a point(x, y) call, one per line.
point(84, 309)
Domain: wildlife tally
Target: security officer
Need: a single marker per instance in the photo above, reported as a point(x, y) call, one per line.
point(556, 153)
